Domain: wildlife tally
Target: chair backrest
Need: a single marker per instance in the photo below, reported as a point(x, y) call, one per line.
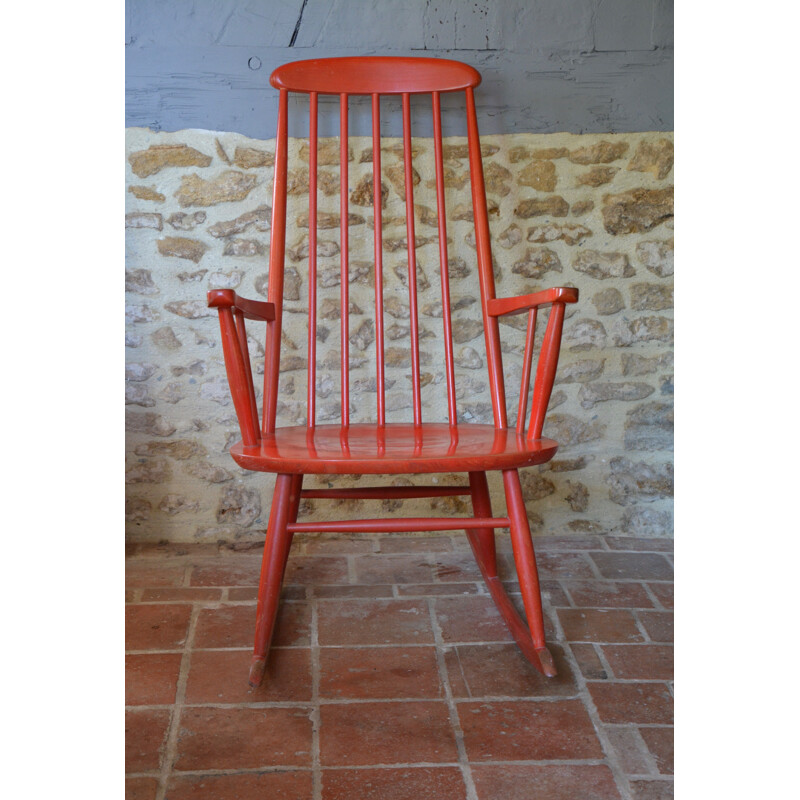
point(374, 77)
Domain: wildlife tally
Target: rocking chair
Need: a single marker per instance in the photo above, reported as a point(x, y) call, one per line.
point(381, 447)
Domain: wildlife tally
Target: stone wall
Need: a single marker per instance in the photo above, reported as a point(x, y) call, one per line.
point(592, 211)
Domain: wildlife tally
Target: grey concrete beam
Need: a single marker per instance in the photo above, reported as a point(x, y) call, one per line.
point(206, 63)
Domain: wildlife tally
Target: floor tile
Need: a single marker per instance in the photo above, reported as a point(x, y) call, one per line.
point(144, 573)
point(554, 782)
point(640, 661)
point(607, 594)
point(528, 730)
point(185, 594)
point(386, 733)
point(575, 542)
point(338, 546)
point(500, 670)
point(234, 626)
point(664, 592)
point(379, 672)
point(242, 786)
point(414, 544)
point(661, 743)
point(221, 676)
point(145, 732)
point(589, 662)
point(652, 790)
point(599, 625)
point(630, 749)
point(658, 624)
point(437, 589)
point(243, 738)
point(456, 567)
point(385, 728)
point(328, 591)
point(140, 788)
point(470, 619)
point(410, 568)
point(233, 571)
point(418, 783)
point(641, 703)
point(633, 566)
point(156, 627)
point(313, 570)
point(354, 622)
point(657, 544)
point(151, 679)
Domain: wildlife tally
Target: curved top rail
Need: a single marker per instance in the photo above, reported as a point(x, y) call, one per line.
point(375, 75)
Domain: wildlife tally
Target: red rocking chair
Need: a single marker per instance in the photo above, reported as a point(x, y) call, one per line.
point(383, 447)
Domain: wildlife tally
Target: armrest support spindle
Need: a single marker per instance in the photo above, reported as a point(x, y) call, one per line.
point(557, 297)
point(233, 310)
point(525, 383)
point(546, 370)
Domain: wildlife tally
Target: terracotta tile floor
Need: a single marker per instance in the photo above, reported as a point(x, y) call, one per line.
point(392, 676)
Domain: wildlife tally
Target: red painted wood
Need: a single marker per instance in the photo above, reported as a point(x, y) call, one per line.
point(482, 541)
point(378, 237)
point(393, 449)
point(525, 383)
point(443, 261)
point(238, 378)
point(312, 256)
point(387, 492)
point(485, 268)
point(375, 75)
point(273, 564)
point(251, 309)
point(546, 370)
point(241, 335)
point(379, 447)
point(517, 305)
point(524, 558)
point(344, 287)
point(412, 261)
point(384, 525)
point(277, 254)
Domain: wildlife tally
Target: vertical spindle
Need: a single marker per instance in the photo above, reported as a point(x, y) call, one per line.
point(546, 370)
point(485, 269)
point(412, 259)
point(443, 262)
point(377, 199)
point(276, 259)
point(312, 259)
point(344, 293)
point(525, 382)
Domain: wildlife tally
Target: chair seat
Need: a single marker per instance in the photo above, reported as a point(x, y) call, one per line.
point(392, 449)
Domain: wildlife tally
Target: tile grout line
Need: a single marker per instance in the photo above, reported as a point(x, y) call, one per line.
point(658, 605)
point(601, 657)
point(455, 723)
point(171, 746)
point(620, 777)
point(316, 713)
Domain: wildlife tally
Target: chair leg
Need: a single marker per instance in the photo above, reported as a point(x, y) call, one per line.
point(525, 562)
point(481, 540)
point(285, 502)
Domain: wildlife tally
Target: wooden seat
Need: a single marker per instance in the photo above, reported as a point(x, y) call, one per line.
point(383, 446)
point(391, 449)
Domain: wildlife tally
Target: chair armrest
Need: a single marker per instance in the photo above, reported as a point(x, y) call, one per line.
point(233, 311)
point(547, 363)
point(251, 309)
point(501, 306)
